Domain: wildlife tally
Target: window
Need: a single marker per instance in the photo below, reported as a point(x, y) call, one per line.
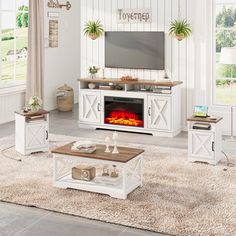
point(14, 34)
point(225, 36)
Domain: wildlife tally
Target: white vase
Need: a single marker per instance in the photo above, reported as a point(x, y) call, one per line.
point(92, 76)
point(35, 108)
point(92, 85)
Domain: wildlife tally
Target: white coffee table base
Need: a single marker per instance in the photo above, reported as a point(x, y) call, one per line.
point(130, 175)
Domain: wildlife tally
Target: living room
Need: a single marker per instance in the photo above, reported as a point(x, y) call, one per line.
point(117, 117)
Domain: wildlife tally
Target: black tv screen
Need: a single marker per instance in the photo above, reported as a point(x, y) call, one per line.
point(135, 50)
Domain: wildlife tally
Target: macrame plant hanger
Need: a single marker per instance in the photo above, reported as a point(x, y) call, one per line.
point(179, 10)
point(179, 37)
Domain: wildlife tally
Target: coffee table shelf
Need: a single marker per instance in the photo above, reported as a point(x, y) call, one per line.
point(93, 186)
point(129, 163)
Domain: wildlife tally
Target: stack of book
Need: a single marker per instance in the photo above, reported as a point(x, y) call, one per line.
point(162, 89)
point(203, 126)
point(83, 147)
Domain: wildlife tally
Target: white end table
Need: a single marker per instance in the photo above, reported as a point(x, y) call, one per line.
point(31, 131)
point(205, 145)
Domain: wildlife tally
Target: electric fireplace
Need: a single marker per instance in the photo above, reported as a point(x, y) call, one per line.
point(124, 111)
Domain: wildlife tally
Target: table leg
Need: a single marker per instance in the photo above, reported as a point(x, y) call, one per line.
point(54, 169)
point(141, 171)
point(124, 179)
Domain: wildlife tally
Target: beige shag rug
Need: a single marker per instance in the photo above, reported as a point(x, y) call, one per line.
point(178, 197)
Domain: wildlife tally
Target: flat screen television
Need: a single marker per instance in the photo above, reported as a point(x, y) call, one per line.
point(135, 50)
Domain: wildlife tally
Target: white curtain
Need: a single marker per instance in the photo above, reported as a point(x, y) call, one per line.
point(35, 66)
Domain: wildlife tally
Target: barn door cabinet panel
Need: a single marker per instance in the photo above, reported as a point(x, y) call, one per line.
point(36, 135)
point(90, 107)
point(159, 112)
point(201, 145)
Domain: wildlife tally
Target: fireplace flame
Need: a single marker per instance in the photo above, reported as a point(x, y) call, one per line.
point(124, 118)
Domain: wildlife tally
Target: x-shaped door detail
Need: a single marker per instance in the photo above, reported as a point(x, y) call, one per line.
point(90, 108)
point(160, 113)
point(203, 144)
point(36, 136)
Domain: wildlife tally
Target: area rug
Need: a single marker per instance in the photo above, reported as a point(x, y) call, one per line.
point(177, 197)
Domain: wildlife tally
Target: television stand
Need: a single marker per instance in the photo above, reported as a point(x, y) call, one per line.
point(115, 104)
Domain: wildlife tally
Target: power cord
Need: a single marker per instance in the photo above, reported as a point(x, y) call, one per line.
point(17, 159)
point(11, 158)
point(229, 164)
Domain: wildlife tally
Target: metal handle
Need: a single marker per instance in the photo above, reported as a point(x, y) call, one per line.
point(213, 146)
point(149, 111)
point(99, 107)
point(46, 135)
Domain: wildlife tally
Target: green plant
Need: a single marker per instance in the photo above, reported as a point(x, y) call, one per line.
point(93, 29)
point(222, 82)
point(93, 70)
point(5, 38)
point(22, 17)
point(180, 29)
point(226, 71)
point(35, 103)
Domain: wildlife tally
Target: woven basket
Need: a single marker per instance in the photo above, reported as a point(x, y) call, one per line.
point(65, 98)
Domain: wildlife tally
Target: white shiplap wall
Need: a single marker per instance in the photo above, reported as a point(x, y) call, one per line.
point(163, 11)
point(179, 55)
point(9, 103)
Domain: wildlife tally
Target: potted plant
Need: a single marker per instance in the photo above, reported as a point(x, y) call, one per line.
point(35, 103)
point(180, 29)
point(93, 29)
point(93, 70)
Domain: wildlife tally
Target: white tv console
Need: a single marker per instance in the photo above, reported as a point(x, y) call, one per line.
point(161, 112)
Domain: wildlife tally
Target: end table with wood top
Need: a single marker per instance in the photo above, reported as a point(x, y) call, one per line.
point(205, 145)
point(31, 131)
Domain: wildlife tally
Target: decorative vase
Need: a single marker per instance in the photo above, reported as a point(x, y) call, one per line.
point(179, 37)
point(91, 85)
point(93, 36)
point(93, 76)
point(35, 109)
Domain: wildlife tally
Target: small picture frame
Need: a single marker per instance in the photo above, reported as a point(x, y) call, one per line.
point(201, 111)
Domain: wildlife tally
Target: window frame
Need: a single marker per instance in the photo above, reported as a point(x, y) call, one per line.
point(11, 85)
point(213, 82)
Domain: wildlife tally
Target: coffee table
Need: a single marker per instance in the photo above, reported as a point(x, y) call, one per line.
point(129, 162)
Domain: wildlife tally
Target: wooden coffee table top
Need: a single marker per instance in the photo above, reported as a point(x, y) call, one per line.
point(125, 154)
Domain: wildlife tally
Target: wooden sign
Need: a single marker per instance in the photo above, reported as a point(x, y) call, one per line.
point(56, 4)
point(129, 16)
point(53, 33)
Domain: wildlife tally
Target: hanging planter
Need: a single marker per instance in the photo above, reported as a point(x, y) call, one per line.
point(93, 29)
point(180, 29)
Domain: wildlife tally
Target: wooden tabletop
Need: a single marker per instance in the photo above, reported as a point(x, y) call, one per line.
point(205, 119)
point(143, 82)
point(30, 114)
point(125, 154)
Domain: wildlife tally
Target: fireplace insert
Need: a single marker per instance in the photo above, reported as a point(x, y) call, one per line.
point(124, 111)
